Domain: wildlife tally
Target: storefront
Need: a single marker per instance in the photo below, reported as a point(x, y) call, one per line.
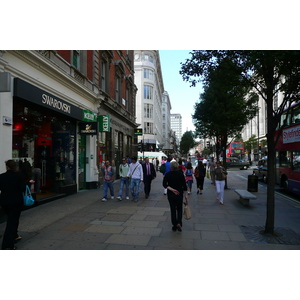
point(45, 139)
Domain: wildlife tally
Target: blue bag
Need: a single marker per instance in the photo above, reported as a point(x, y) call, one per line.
point(28, 199)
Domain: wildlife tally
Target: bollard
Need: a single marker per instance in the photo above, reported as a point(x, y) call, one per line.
point(252, 183)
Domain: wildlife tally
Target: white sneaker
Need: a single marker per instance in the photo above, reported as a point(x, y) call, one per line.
point(127, 198)
point(119, 198)
point(112, 197)
point(104, 200)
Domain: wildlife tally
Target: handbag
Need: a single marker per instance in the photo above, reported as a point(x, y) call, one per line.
point(187, 212)
point(224, 175)
point(28, 199)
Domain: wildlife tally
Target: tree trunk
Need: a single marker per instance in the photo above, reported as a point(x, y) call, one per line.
point(270, 220)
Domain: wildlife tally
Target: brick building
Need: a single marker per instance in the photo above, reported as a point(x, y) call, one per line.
point(65, 112)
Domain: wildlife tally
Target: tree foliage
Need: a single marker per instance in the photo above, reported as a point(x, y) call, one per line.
point(226, 105)
point(187, 142)
point(267, 72)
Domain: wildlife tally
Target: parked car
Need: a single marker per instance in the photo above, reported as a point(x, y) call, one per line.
point(234, 162)
point(262, 170)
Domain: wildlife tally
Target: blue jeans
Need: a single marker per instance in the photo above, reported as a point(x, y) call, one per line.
point(124, 181)
point(108, 185)
point(135, 187)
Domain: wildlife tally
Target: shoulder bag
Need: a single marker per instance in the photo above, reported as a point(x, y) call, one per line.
point(28, 199)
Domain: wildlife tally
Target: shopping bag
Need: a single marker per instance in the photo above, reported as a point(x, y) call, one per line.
point(28, 199)
point(187, 212)
point(207, 174)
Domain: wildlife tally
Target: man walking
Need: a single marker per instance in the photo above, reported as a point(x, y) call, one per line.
point(109, 178)
point(135, 172)
point(149, 174)
point(123, 170)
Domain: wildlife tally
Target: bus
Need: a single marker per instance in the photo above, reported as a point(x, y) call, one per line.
point(288, 150)
point(235, 149)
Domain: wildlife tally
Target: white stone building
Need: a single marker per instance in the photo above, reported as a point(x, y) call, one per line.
point(149, 98)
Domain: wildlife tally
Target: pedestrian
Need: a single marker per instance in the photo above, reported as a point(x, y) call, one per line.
point(211, 166)
point(157, 164)
point(12, 186)
point(175, 184)
point(220, 173)
point(135, 173)
point(199, 174)
point(109, 178)
point(123, 170)
point(189, 176)
point(167, 169)
point(128, 159)
point(149, 174)
point(181, 166)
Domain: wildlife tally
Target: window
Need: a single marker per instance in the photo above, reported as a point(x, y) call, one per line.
point(148, 111)
point(284, 158)
point(103, 75)
point(148, 127)
point(118, 89)
point(148, 57)
point(296, 114)
point(148, 74)
point(148, 92)
point(296, 160)
point(76, 59)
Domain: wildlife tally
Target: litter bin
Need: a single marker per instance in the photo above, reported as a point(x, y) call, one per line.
point(252, 183)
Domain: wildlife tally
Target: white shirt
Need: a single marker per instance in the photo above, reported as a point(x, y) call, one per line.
point(138, 171)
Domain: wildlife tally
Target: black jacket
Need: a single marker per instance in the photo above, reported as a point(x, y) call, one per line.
point(12, 186)
point(152, 170)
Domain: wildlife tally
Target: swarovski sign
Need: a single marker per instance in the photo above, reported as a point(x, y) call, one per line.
point(56, 103)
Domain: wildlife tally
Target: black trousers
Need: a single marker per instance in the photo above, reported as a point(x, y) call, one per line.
point(13, 213)
point(147, 184)
point(176, 203)
point(200, 182)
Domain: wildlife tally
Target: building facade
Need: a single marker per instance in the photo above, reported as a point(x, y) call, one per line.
point(168, 137)
point(176, 125)
point(65, 113)
point(149, 81)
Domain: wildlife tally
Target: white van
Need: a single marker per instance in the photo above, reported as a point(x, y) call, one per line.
point(151, 155)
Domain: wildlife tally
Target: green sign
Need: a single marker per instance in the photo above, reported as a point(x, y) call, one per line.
point(104, 123)
point(89, 116)
point(138, 131)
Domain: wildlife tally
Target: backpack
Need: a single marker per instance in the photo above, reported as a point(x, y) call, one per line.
point(188, 172)
point(162, 168)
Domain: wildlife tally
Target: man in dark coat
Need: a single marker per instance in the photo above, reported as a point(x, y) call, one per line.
point(12, 186)
point(149, 174)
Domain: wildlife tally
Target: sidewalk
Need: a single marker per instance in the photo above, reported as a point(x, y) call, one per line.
point(82, 221)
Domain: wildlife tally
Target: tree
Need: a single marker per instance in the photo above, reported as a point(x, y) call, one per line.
point(187, 142)
point(268, 72)
point(226, 105)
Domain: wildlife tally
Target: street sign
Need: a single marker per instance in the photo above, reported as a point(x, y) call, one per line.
point(138, 131)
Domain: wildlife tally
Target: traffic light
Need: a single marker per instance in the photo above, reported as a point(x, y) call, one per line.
point(138, 131)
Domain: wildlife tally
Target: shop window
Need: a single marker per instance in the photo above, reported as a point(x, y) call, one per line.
point(47, 142)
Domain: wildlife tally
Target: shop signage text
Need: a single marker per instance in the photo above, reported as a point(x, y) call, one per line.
point(291, 135)
point(56, 104)
point(89, 116)
point(88, 128)
point(104, 123)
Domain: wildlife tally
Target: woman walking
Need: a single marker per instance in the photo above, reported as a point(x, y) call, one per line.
point(220, 175)
point(189, 176)
point(199, 174)
point(175, 184)
point(12, 186)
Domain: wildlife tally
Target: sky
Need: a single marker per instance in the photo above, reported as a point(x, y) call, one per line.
point(182, 96)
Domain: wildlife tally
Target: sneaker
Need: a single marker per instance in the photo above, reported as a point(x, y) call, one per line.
point(119, 198)
point(104, 200)
point(127, 198)
point(112, 197)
